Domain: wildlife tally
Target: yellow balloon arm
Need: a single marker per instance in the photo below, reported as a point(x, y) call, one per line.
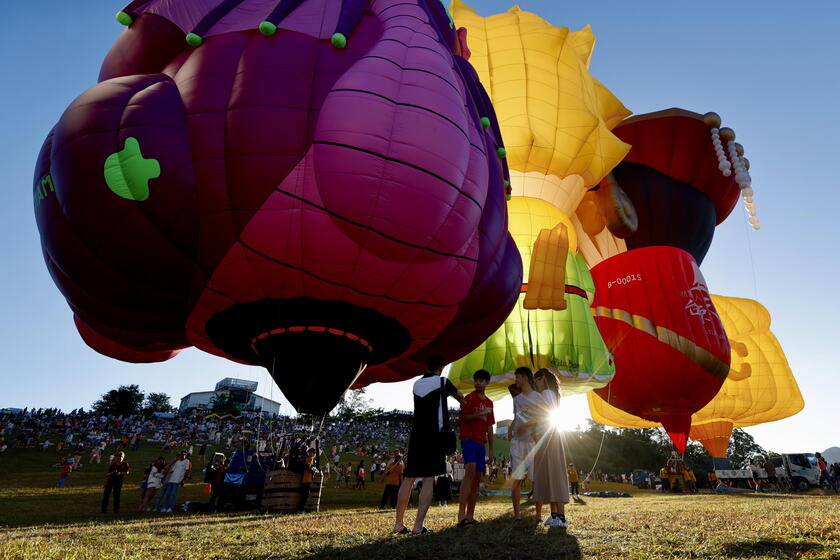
point(739, 348)
point(739, 374)
point(547, 274)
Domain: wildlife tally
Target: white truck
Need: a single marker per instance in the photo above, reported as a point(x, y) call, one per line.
point(798, 468)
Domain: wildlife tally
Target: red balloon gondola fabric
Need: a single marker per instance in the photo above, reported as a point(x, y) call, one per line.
point(676, 143)
point(672, 178)
point(312, 186)
point(653, 308)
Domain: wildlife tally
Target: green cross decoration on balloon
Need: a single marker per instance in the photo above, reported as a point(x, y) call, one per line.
point(127, 172)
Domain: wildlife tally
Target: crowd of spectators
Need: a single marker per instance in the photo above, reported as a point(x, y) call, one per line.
point(81, 438)
point(89, 436)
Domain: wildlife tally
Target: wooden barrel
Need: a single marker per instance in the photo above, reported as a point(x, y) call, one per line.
point(282, 492)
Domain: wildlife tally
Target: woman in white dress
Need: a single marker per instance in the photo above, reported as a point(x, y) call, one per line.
point(551, 479)
point(526, 403)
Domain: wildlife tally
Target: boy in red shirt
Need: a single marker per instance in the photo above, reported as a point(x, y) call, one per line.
point(476, 430)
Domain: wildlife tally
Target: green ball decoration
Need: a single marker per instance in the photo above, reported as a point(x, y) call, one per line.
point(338, 40)
point(507, 183)
point(193, 40)
point(485, 122)
point(267, 28)
point(501, 152)
point(124, 18)
point(507, 196)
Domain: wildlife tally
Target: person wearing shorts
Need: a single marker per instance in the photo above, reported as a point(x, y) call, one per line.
point(426, 457)
point(476, 430)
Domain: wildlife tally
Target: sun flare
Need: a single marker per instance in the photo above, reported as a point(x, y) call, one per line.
point(566, 419)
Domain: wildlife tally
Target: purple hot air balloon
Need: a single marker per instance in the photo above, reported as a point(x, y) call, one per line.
point(312, 186)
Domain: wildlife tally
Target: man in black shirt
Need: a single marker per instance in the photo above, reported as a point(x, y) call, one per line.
point(426, 457)
point(117, 471)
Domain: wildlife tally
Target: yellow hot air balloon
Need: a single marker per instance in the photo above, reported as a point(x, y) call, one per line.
point(556, 120)
point(760, 386)
point(555, 117)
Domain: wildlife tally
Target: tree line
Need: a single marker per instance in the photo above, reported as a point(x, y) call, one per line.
point(620, 450)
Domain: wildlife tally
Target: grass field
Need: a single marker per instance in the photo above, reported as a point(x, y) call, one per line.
point(40, 521)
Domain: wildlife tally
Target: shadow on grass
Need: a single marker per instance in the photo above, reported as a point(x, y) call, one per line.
point(497, 539)
point(769, 547)
point(163, 522)
point(167, 521)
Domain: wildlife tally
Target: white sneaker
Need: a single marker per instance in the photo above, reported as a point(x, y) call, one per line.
point(549, 521)
point(556, 522)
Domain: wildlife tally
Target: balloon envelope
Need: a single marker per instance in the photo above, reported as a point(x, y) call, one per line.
point(277, 200)
point(760, 386)
point(654, 311)
point(565, 341)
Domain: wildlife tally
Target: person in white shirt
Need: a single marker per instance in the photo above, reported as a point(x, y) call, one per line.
point(177, 471)
point(526, 403)
point(153, 482)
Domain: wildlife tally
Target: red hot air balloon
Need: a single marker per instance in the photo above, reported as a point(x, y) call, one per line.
point(652, 304)
point(671, 352)
point(314, 186)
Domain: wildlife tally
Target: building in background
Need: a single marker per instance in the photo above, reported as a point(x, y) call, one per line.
point(240, 391)
point(502, 427)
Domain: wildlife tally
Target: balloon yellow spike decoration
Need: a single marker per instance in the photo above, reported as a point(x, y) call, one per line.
point(554, 116)
point(556, 120)
point(760, 386)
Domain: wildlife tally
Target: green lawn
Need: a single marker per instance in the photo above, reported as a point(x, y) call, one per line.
point(44, 522)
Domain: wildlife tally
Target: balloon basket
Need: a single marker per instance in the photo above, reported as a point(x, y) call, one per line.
point(283, 492)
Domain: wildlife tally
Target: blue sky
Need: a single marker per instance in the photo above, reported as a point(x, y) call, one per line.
point(769, 69)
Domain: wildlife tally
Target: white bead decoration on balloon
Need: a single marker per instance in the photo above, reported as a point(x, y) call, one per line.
point(723, 163)
point(742, 177)
point(739, 165)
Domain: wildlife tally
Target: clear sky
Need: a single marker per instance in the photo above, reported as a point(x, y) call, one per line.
point(770, 69)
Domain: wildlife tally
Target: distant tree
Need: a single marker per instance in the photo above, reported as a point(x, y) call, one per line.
point(222, 404)
point(355, 405)
point(742, 446)
point(126, 399)
point(157, 402)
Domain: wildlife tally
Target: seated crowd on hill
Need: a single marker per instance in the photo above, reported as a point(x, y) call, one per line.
point(348, 452)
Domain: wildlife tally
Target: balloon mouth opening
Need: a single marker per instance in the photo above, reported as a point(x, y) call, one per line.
point(314, 349)
point(309, 329)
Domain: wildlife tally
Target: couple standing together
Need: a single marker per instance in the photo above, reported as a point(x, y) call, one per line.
point(429, 444)
point(536, 449)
